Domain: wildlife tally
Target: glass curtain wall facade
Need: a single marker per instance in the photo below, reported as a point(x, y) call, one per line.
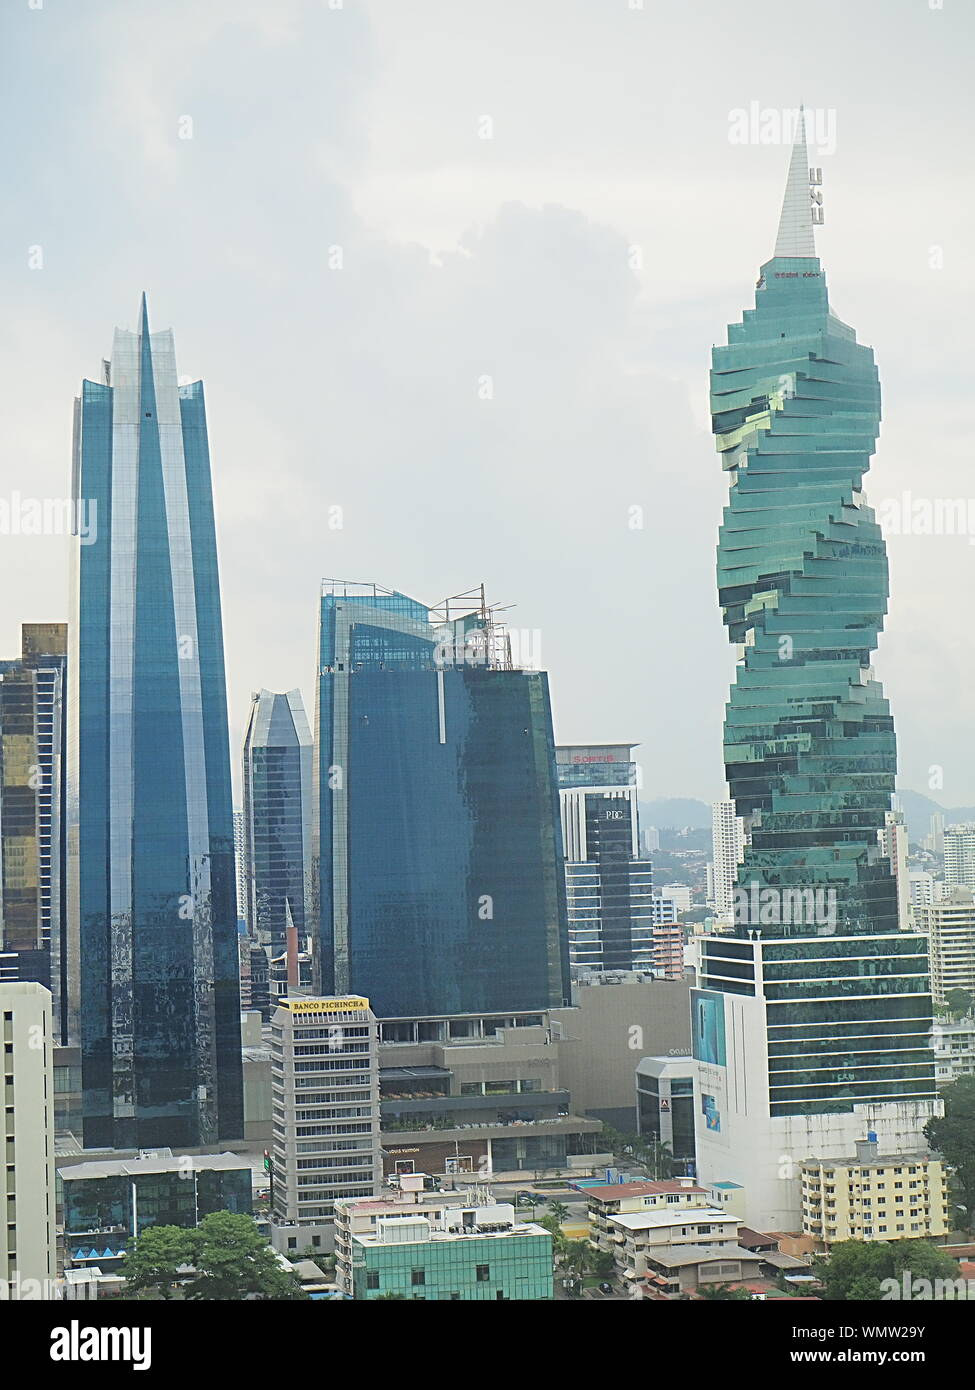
point(809, 741)
point(609, 888)
point(277, 821)
point(438, 851)
point(151, 894)
point(32, 738)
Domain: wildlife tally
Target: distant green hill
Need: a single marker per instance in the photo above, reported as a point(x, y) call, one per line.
point(918, 810)
point(676, 812)
point(679, 811)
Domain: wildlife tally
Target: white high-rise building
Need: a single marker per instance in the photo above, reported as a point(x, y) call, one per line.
point(935, 839)
point(727, 851)
point(950, 926)
point(325, 1097)
point(679, 894)
point(27, 1174)
point(240, 864)
point(893, 842)
point(960, 856)
point(921, 887)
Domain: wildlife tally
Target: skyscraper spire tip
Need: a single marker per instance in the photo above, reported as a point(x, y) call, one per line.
point(795, 236)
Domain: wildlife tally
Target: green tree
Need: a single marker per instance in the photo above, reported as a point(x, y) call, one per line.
point(603, 1264)
point(233, 1261)
point(559, 1210)
point(151, 1268)
point(959, 1002)
point(953, 1135)
point(854, 1269)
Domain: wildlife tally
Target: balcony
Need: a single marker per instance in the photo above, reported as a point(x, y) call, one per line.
point(561, 1124)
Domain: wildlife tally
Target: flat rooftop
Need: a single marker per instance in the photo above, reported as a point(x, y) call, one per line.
point(133, 1167)
point(879, 1161)
point(374, 1240)
point(677, 1257)
point(671, 1216)
point(606, 1192)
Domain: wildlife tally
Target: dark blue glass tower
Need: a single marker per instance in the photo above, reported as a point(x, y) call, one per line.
point(277, 824)
point(151, 893)
point(438, 848)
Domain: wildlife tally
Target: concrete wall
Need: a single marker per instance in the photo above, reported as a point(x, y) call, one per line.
point(606, 1034)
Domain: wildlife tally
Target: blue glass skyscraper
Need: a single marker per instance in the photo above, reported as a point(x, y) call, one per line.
point(151, 894)
point(277, 824)
point(438, 847)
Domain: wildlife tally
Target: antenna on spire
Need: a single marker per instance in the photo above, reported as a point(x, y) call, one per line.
point(795, 236)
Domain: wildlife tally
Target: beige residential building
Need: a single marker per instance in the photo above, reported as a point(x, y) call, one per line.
point(639, 1235)
point(626, 1198)
point(27, 1172)
point(867, 1197)
point(950, 927)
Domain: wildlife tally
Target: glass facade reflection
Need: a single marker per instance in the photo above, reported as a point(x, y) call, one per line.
point(438, 854)
point(277, 822)
point(809, 741)
point(615, 921)
point(151, 897)
point(32, 794)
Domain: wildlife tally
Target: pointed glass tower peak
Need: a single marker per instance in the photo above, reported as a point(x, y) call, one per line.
point(795, 237)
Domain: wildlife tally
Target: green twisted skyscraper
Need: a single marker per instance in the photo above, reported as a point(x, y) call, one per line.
point(802, 574)
point(811, 1026)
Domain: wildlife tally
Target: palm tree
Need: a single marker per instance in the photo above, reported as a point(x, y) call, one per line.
point(578, 1257)
point(550, 1224)
point(722, 1291)
point(559, 1210)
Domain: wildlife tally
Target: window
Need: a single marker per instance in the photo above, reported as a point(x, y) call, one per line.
point(418, 1276)
point(483, 1273)
point(372, 1279)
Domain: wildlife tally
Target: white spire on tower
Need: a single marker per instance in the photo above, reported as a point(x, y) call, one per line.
point(795, 236)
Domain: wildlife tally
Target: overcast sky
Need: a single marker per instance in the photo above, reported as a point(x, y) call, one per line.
point(543, 224)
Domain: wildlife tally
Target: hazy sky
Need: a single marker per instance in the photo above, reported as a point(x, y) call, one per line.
point(543, 225)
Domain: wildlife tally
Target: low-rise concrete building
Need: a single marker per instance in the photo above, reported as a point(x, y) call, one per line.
point(665, 1105)
point(609, 1027)
point(108, 1202)
point(412, 1194)
point(479, 1253)
point(610, 1200)
point(479, 1094)
point(637, 1236)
